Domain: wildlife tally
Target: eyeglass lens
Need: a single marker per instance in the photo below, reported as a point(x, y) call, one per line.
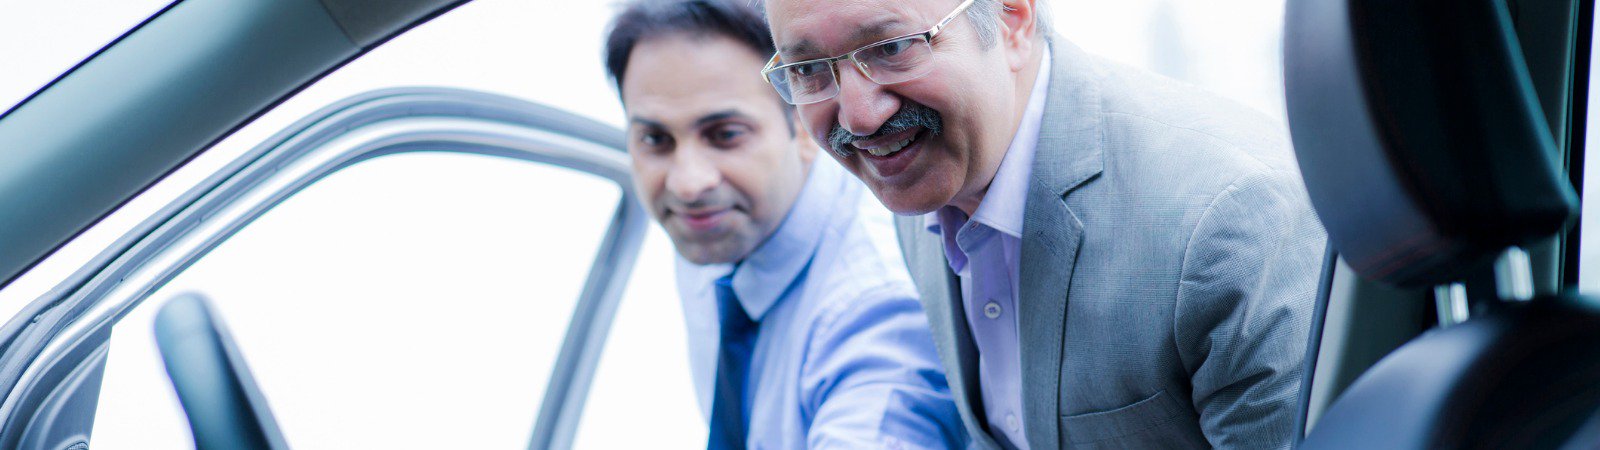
point(885, 63)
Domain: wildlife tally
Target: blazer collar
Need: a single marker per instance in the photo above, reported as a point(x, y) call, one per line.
point(1070, 139)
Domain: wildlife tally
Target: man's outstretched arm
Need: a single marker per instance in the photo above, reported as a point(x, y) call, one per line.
point(871, 379)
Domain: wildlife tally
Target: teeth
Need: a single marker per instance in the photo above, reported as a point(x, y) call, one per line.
point(889, 149)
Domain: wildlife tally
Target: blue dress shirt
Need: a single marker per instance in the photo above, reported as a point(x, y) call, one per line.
point(985, 252)
point(844, 358)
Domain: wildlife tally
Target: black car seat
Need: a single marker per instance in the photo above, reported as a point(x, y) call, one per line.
point(1427, 156)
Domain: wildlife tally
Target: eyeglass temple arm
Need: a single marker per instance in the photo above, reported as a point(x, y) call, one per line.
point(947, 19)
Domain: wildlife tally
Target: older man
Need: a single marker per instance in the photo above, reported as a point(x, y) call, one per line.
point(1107, 258)
point(804, 333)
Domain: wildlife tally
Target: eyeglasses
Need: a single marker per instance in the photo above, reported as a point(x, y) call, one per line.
point(889, 61)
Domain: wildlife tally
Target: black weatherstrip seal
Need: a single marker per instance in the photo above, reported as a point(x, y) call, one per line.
point(1577, 134)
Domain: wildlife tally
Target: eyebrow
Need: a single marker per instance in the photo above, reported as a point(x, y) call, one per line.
point(866, 34)
point(702, 121)
point(719, 116)
point(646, 122)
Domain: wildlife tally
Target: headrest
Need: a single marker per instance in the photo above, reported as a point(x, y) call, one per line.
point(1419, 135)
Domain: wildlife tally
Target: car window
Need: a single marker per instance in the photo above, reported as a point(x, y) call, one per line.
point(426, 292)
point(40, 40)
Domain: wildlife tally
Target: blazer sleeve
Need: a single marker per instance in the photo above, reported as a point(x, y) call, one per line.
point(1244, 307)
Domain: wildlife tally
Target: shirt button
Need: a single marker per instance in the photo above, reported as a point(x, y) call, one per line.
point(1013, 424)
point(991, 309)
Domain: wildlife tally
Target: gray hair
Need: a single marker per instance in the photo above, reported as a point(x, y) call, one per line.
point(982, 13)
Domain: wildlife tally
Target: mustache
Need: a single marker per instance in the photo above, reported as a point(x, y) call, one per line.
point(910, 115)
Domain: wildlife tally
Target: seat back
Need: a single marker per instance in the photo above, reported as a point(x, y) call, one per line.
point(1426, 155)
point(1525, 377)
point(1419, 135)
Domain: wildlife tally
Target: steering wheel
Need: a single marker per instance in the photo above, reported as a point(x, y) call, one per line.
point(225, 408)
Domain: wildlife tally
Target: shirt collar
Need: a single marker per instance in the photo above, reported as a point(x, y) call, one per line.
point(1005, 202)
point(763, 276)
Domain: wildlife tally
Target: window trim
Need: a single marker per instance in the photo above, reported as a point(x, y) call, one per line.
point(1577, 137)
point(367, 126)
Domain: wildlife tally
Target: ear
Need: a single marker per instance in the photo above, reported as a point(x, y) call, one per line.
point(1018, 35)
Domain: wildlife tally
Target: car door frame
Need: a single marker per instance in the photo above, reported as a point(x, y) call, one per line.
point(44, 345)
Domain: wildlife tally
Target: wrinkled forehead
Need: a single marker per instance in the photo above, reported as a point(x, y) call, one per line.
point(806, 29)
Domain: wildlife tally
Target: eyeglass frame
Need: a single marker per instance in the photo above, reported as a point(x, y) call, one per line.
point(833, 62)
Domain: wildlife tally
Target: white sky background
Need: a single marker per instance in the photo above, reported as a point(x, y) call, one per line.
point(546, 51)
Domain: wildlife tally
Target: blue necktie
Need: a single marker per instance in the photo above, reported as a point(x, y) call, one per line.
point(728, 415)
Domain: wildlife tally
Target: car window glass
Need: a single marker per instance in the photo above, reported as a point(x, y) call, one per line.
point(424, 292)
point(40, 40)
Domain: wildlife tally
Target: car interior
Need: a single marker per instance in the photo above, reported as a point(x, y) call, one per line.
point(1429, 160)
point(1442, 144)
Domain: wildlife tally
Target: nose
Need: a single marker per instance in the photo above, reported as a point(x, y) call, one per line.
point(863, 105)
point(692, 174)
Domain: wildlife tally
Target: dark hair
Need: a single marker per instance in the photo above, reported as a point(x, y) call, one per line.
point(740, 20)
point(644, 19)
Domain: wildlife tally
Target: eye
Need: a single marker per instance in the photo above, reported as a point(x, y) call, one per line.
point(654, 139)
point(894, 48)
point(726, 136)
point(807, 70)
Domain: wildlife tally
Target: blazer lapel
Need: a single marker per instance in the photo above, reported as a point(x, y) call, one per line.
point(1068, 155)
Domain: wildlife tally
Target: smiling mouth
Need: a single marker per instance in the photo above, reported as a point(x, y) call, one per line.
point(891, 158)
point(891, 149)
point(881, 148)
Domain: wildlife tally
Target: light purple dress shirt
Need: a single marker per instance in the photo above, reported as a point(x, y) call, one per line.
point(985, 252)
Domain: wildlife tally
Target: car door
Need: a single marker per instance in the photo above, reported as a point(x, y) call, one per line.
point(571, 173)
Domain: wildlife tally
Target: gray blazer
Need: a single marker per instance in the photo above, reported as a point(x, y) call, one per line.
point(1170, 259)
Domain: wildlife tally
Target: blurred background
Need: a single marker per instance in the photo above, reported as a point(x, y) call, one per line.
point(419, 300)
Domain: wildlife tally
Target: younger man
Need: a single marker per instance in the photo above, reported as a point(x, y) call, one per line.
point(804, 332)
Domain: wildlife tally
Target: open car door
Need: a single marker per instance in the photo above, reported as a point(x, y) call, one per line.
point(54, 355)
